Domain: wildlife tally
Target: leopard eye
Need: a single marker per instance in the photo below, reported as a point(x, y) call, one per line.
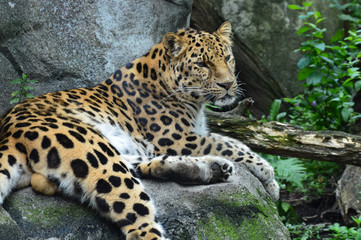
point(228, 57)
point(201, 64)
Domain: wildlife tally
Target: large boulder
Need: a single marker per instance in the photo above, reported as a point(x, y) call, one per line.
point(348, 194)
point(264, 42)
point(237, 209)
point(68, 44)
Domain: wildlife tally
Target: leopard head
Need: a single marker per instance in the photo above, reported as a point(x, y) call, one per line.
point(202, 65)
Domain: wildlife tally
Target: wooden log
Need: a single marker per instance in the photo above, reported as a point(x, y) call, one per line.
point(286, 140)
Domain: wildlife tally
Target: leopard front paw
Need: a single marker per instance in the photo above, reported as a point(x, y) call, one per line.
point(221, 170)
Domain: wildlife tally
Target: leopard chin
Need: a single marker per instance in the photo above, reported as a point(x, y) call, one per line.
point(227, 100)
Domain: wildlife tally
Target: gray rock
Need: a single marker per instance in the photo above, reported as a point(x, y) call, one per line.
point(237, 209)
point(9, 228)
point(348, 194)
point(68, 44)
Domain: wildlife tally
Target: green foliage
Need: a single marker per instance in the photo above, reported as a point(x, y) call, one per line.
point(288, 171)
point(304, 232)
point(343, 232)
point(350, 11)
point(274, 114)
point(320, 174)
point(287, 213)
point(24, 89)
point(333, 232)
point(329, 75)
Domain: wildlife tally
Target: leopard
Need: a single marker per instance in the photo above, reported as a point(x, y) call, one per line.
point(147, 120)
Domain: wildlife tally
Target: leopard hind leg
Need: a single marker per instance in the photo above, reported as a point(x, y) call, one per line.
point(264, 172)
point(101, 177)
point(120, 196)
point(14, 173)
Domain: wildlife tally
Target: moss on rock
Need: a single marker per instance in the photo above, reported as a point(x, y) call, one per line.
point(248, 218)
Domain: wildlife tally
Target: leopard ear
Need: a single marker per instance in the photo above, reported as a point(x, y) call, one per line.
point(225, 31)
point(173, 44)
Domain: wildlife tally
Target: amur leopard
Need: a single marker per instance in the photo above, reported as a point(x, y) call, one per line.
point(145, 120)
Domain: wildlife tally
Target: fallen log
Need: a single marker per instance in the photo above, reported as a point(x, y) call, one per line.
point(287, 140)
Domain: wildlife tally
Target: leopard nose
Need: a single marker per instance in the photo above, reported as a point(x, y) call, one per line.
point(226, 85)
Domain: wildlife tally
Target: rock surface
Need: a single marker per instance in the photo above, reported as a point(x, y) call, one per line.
point(348, 194)
point(264, 42)
point(237, 209)
point(68, 44)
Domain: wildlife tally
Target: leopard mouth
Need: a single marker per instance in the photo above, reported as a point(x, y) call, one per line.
point(227, 100)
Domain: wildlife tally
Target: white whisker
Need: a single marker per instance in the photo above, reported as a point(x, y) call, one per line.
point(174, 92)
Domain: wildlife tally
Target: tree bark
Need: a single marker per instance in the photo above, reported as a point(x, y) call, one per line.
point(286, 140)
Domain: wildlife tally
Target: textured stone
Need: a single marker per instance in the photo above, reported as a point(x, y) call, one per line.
point(8, 227)
point(68, 44)
point(348, 194)
point(237, 209)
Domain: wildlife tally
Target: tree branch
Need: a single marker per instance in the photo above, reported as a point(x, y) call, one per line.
point(286, 140)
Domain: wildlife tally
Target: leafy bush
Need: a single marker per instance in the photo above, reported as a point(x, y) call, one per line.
point(342, 232)
point(304, 232)
point(329, 75)
point(350, 12)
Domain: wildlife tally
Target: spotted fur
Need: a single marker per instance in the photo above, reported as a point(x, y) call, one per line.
point(145, 120)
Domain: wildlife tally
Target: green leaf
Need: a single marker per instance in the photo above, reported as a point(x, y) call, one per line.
point(313, 26)
point(295, 7)
point(338, 36)
point(29, 95)
point(25, 76)
point(303, 17)
point(15, 93)
point(291, 170)
point(304, 61)
point(211, 106)
point(28, 88)
point(314, 78)
point(318, 34)
point(304, 72)
point(280, 116)
point(285, 206)
point(327, 60)
point(317, 15)
point(307, 4)
point(32, 81)
point(275, 108)
point(336, 99)
point(355, 117)
point(16, 81)
point(302, 30)
point(353, 72)
point(320, 46)
point(346, 113)
point(347, 17)
point(358, 85)
point(15, 100)
point(320, 20)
